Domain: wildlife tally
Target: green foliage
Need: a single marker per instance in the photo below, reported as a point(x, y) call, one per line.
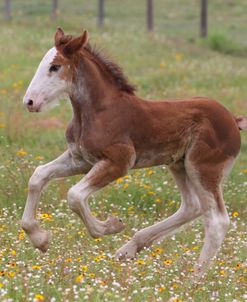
point(221, 43)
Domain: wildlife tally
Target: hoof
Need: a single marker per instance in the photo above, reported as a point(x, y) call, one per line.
point(114, 225)
point(40, 240)
point(126, 252)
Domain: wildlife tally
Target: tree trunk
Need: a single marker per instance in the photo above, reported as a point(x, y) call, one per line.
point(54, 10)
point(7, 10)
point(101, 12)
point(204, 19)
point(150, 17)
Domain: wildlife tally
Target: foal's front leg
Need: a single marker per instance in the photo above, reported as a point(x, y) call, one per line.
point(63, 166)
point(104, 172)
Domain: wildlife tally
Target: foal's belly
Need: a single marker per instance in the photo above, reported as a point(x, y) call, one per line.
point(156, 158)
point(167, 155)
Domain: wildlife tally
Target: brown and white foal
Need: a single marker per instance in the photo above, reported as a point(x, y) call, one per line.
point(113, 130)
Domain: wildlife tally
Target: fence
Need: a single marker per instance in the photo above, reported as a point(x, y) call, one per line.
point(7, 12)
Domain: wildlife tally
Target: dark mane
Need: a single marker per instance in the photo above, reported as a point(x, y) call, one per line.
point(120, 80)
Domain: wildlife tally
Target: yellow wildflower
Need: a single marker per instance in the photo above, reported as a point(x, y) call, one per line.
point(92, 275)
point(125, 186)
point(84, 268)
point(140, 262)
point(21, 152)
point(167, 262)
point(98, 239)
point(235, 214)
point(79, 278)
point(2, 125)
point(159, 250)
point(1, 285)
point(21, 235)
point(119, 180)
point(157, 200)
point(37, 267)
point(11, 274)
point(39, 157)
point(99, 257)
point(161, 289)
point(68, 260)
point(146, 186)
point(39, 297)
point(12, 264)
point(153, 255)
point(45, 216)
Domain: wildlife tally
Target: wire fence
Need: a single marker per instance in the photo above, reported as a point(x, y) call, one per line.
point(187, 19)
point(12, 9)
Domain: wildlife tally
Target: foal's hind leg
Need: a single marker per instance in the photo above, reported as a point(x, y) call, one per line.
point(207, 182)
point(63, 166)
point(216, 223)
point(189, 210)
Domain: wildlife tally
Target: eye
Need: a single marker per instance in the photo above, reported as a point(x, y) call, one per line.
point(54, 68)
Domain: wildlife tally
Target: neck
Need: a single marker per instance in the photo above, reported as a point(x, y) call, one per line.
point(91, 92)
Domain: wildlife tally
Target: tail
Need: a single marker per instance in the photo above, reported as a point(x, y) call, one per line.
point(241, 122)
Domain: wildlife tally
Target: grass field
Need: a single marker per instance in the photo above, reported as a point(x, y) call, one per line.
point(170, 63)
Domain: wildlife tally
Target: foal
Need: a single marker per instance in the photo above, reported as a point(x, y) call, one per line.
point(113, 130)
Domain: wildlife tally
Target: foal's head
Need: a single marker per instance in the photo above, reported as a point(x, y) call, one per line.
point(53, 78)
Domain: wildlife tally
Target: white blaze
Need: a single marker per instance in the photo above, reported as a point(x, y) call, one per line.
point(45, 86)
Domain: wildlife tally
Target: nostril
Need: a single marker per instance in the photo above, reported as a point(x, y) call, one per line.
point(30, 103)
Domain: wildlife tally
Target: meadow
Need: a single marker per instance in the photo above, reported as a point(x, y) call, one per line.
point(172, 62)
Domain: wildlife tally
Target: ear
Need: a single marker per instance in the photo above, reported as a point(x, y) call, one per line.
point(58, 36)
point(76, 44)
point(242, 122)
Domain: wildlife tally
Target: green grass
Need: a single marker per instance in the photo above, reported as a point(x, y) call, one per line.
point(170, 63)
point(221, 43)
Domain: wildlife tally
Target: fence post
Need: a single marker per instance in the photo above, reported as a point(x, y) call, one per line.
point(150, 18)
point(7, 10)
point(101, 12)
point(204, 19)
point(54, 10)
